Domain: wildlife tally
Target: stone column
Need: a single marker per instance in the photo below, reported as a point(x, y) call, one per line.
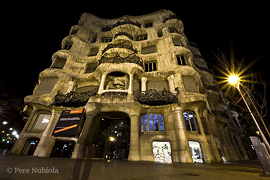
point(225, 145)
point(80, 147)
point(130, 88)
point(230, 146)
point(71, 86)
point(101, 86)
point(19, 144)
point(241, 147)
point(47, 142)
point(143, 88)
point(134, 149)
point(207, 155)
point(180, 147)
point(213, 143)
point(171, 84)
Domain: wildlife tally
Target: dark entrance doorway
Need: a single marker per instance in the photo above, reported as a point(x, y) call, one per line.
point(30, 146)
point(113, 136)
point(63, 148)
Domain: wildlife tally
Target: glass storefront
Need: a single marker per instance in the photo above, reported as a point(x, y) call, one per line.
point(196, 152)
point(162, 152)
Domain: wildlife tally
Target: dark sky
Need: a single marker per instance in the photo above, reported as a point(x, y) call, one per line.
point(33, 32)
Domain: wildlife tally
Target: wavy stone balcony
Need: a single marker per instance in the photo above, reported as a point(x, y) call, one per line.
point(132, 58)
point(154, 97)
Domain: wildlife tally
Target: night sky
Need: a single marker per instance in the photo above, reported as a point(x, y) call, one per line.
point(33, 32)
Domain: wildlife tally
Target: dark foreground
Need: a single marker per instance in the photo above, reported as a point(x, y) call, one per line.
point(37, 168)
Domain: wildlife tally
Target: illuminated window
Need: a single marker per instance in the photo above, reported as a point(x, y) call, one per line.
point(42, 120)
point(152, 122)
point(191, 121)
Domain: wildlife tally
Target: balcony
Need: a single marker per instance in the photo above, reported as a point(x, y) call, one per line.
point(154, 97)
point(74, 99)
point(132, 58)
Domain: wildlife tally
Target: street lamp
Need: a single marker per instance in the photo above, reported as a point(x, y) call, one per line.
point(234, 80)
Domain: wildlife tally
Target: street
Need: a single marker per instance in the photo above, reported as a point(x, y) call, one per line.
point(40, 168)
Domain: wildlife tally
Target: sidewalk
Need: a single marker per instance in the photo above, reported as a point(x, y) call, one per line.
point(37, 168)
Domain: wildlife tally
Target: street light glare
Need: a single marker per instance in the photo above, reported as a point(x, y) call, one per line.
point(233, 79)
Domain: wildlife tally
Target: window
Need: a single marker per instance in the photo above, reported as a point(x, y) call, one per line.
point(189, 84)
point(147, 25)
point(177, 42)
point(106, 39)
point(181, 60)
point(68, 45)
point(46, 86)
point(91, 67)
point(74, 31)
point(93, 52)
point(150, 66)
point(152, 122)
point(173, 30)
point(149, 49)
point(157, 85)
point(93, 39)
point(141, 37)
point(59, 62)
point(42, 120)
point(191, 121)
point(159, 33)
point(106, 29)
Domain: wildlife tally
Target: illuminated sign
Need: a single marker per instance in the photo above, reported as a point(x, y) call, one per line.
point(68, 123)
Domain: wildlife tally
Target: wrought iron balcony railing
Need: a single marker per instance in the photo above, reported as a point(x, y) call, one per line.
point(132, 58)
point(74, 99)
point(154, 97)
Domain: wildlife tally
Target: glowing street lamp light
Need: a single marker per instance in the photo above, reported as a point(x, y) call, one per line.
point(111, 139)
point(234, 80)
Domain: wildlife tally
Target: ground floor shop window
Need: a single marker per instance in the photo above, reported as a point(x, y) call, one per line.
point(196, 151)
point(162, 152)
point(152, 122)
point(63, 148)
point(30, 146)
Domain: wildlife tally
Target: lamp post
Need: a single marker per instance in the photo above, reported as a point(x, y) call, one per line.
point(235, 81)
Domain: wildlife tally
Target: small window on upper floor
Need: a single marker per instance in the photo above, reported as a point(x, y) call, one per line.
point(160, 33)
point(104, 29)
point(93, 52)
point(181, 60)
point(177, 42)
point(59, 62)
point(189, 84)
point(149, 49)
point(141, 37)
point(147, 25)
point(74, 31)
point(93, 39)
point(106, 39)
point(173, 30)
point(150, 66)
point(91, 67)
point(41, 121)
point(68, 45)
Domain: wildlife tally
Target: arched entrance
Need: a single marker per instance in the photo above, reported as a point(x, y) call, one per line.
point(112, 138)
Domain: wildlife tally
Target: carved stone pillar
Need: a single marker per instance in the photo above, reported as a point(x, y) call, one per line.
point(101, 86)
point(171, 83)
point(71, 86)
point(144, 80)
point(208, 158)
point(180, 146)
point(80, 147)
point(130, 88)
point(134, 150)
point(47, 142)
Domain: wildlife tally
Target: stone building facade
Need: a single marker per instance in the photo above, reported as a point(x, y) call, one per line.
point(130, 88)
